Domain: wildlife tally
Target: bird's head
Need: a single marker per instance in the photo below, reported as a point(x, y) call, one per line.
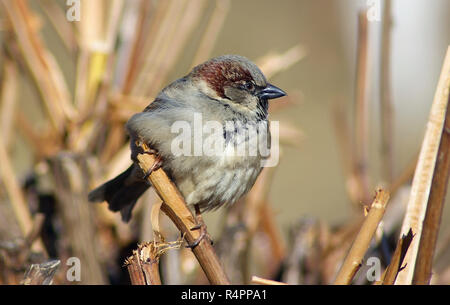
point(237, 82)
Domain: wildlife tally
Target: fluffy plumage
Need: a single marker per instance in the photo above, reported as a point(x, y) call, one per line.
point(225, 89)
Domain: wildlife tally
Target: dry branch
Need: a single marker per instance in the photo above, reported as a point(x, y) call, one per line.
point(395, 266)
point(175, 208)
point(143, 265)
point(356, 254)
point(42, 66)
point(180, 19)
point(435, 206)
point(215, 24)
point(71, 188)
point(423, 177)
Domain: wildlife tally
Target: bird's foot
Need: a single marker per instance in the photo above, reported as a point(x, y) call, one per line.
point(138, 148)
point(156, 165)
point(200, 226)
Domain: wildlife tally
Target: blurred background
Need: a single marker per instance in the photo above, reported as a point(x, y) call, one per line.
point(360, 77)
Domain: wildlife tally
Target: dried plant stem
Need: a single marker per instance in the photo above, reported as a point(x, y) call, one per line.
point(338, 245)
point(257, 218)
point(423, 177)
point(136, 45)
point(101, 49)
point(385, 94)
point(209, 37)
point(268, 225)
point(179, 21)
point(71, 188)
point(344, 139)
point(58, 20)
point(143, 265)
point(18, 203)
point(274, 63)
point(175, 208)
point(435, 206)
point(362, 109)
point(261, 281)
point(149, 26)
point(8, 105)
point(354, 146)
point(356, 254)
point(396, 263)
point(42, 66)
point(81, 77)
point(113, 142)
point(169, 16)
point(181, 30)
point(35, 137)
point(256, 199)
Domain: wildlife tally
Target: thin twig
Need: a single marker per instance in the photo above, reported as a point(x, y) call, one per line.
point(356, 254)
point(176, 209)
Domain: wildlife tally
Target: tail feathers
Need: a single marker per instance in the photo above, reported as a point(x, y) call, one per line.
point(121, 193)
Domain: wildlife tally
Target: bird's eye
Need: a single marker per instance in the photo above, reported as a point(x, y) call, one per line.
point(249, 86)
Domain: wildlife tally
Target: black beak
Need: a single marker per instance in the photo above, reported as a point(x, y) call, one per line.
point(271, 92)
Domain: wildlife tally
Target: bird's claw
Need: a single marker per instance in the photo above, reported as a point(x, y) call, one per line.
point(156, 165)
point(138, 148)
point(203, 232)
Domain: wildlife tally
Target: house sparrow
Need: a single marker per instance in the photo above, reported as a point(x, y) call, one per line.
point(224, 89)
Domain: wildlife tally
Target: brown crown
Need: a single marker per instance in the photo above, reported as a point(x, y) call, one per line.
point(219, 74)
